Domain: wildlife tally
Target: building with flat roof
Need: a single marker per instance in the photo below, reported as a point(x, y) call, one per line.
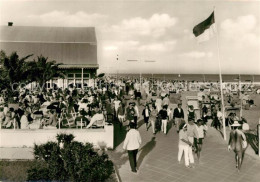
point(74, 47)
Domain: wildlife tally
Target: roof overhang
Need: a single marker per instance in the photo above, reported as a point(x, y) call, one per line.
point(79, 66)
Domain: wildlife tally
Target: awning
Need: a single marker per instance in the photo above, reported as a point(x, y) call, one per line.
point(79, 66)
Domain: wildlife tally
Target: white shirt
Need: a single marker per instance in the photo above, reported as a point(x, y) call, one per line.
point(116, 102)
point(219, 114)
point(24, 122)
point(96, 117)
point(136, 111)
point(158, 102)
point(132, 140)
point(146, 113)
point(183, 135)
point(83, 106)
point(245, 126)
point(200, 130)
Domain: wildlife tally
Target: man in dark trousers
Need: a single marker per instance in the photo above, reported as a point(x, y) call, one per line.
point(131, 144)
point(130, 113)
point(164, 116)
point(178, 116)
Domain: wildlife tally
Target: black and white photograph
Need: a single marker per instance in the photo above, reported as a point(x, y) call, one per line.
point(130, 90)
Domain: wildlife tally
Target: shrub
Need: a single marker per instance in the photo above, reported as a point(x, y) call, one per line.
point(69, 160)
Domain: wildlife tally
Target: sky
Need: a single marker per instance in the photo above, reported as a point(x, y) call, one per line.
point(154, 30)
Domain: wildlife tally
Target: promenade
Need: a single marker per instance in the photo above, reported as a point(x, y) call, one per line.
point(157, 159)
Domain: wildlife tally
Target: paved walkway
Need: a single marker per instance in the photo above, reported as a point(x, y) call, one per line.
point(157, 160)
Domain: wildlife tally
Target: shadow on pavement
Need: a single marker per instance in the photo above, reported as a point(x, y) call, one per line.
point(169, 126)
point(140, 123)
point(119, 134)
point(221, 133)
point(119, 158)
point(148, 147)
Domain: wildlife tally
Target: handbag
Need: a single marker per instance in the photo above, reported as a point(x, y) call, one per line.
point(244, 144)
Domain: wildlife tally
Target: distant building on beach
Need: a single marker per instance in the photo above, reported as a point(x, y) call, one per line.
point(74, 47)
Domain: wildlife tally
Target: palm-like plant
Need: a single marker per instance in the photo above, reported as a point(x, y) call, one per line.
point(99, 76)
point(45, 70)
point(14, 68)
point(14, 71)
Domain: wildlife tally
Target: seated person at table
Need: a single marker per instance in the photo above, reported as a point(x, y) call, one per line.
point(24, 121)
point(98, 117)
point(52, 119)
point(8, 118)
point(2, 115)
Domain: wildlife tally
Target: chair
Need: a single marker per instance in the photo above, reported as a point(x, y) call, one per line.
point(110, 118)
point(80, 123)
point(70, 120)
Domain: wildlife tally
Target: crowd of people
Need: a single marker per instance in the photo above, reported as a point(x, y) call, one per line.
point(112, 101)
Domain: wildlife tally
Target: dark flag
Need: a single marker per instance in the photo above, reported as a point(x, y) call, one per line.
point(206, 29)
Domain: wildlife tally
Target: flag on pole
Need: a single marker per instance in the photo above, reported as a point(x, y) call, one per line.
point(206, 29)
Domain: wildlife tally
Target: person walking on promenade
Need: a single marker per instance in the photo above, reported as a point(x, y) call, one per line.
point(121, 114)
point(166, 100)
point(131, 144)
point(201, 128)
point(191, 113)
point(164, 116)
point(116, 104)
point(158, 103)
point(192, 133)
point(184, 145)
point(130, 113)
point(136, 116)
point(153, 118)
point(178, 116)
point(146, 113)
point(237, 142)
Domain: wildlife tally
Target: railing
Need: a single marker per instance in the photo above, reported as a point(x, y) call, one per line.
point(253, 140)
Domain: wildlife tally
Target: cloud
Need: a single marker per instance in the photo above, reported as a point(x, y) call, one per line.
point(158, 47)
point(137, 46)
point(154, 26)
point(110, 48)
point(242, 30)
point(197, 54)
point(65, 18)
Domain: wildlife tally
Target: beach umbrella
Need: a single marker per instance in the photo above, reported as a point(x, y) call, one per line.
point(101, 75)
point(38, 112)
point(51, 107)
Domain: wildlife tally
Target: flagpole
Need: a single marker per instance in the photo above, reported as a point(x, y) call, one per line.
point(220, 79)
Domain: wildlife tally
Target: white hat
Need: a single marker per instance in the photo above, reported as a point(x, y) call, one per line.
point(236, 124)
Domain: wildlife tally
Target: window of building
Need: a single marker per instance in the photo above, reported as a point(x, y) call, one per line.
point(70, 75)
point(86, 75)
point(78, 75)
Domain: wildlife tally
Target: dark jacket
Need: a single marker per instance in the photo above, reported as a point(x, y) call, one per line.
point(177, 114)
point(163, 114)
point(130, 113)
point(143, 113)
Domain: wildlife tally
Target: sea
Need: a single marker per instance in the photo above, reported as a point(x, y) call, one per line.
point(194, 77)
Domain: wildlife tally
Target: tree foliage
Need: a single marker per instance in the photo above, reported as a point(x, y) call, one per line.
point(15, 70)
point(69, 160)
point(45, 70)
